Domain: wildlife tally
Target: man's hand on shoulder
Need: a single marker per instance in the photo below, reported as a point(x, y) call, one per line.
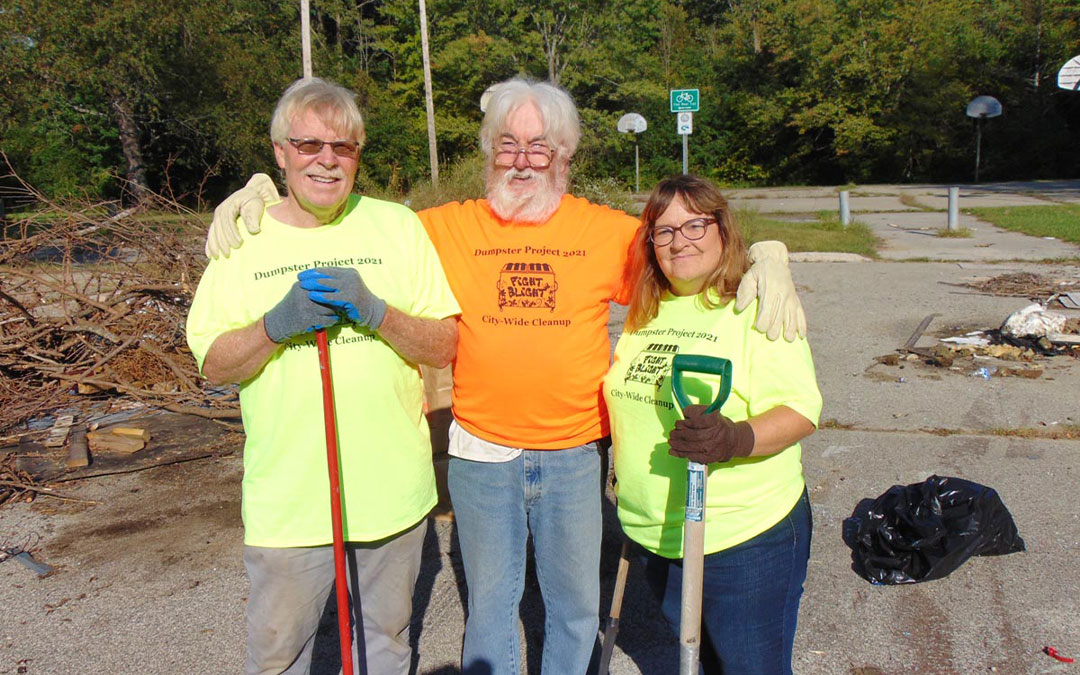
point(769, 280)
point(247, 203)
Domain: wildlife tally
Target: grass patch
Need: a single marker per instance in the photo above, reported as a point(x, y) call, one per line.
point(462, 180)
point(834, 424)
point(911, 201)
point(606, 191)
point(1060, 221)
point(824, 234)
point(959, 233)
point(1065, 432)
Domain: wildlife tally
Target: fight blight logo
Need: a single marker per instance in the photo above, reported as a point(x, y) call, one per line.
point(528, 285)
point(652, 365)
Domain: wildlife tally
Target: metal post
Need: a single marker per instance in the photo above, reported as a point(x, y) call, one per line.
point(305, 35)
point(637, 170)
point(954, 209)
point(433, 153)
point(845, 208)
point(685, 145)
point(978, 147)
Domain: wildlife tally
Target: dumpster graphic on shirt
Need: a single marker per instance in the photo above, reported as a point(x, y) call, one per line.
point(652, 364)
point(529, 285)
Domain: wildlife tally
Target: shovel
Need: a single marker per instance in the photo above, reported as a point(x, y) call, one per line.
point(341, 581)
point(608, 642)
point(694, 521)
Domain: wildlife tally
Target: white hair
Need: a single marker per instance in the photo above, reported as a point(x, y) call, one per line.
point(562, 128)
point(334, 105)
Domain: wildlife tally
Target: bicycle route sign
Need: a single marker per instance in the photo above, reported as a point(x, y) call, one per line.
point(684, 100)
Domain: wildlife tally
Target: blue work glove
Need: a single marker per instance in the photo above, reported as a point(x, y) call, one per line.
point(296, 314)
point(343, 289)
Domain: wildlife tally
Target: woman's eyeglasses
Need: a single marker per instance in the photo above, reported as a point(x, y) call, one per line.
point(692, 230)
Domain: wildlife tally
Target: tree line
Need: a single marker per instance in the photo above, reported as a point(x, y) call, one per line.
point(106, 98)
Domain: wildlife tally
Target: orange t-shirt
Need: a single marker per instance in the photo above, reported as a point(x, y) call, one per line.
point(533, 343)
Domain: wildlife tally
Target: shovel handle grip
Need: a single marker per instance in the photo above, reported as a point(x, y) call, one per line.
point(698, 363)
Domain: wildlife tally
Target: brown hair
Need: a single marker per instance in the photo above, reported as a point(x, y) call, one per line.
point(643, 275)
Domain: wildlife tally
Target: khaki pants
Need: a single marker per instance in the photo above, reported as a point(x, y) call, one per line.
point(290, 588)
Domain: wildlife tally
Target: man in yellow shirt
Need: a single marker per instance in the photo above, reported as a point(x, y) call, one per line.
point(366, 271)
point(534, 269)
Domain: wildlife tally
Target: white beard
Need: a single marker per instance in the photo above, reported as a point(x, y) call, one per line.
point(535, 205)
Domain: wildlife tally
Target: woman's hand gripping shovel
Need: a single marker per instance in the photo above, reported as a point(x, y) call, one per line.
point(340, 579)
point(694, 523)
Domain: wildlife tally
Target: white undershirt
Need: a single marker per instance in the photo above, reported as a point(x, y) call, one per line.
point(465, 445)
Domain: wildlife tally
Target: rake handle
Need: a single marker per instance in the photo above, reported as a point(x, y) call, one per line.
point(341, 582)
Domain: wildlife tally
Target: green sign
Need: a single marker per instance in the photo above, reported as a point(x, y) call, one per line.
point(684, 100)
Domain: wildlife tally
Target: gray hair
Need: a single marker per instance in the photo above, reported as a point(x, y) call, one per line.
point(334, 105)
point(562, 128)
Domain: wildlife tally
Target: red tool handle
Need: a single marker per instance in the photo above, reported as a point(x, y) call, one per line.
point(341, 580)
point(1053, 653)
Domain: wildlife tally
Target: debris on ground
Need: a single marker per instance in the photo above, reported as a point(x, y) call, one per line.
point(27, 560)
point(1022, 284)
point(15, 483)
point(78, 450)
point(93, 305)
point(59, 432)
point(1028, 336)
point(118, 439)
point(925, 531)
point(1033, 321)
point(1067, 300)
point(1053, 653)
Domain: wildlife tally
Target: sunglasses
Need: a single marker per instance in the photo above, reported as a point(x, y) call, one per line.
point(313, 146)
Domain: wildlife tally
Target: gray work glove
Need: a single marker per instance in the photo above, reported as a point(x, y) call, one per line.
point(769, 280)
point(246, 203)
point(709, 438)
point(343, 289)
point(297, 314)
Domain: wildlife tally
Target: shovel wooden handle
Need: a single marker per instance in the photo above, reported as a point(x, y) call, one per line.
point(608, 644)
point(693, 571)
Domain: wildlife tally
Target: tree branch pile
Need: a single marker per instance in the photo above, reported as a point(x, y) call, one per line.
point(93, 303)
point(1024, 284)
point(14, 482)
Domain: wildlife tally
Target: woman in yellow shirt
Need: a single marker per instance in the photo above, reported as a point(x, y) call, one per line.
point(687, 260)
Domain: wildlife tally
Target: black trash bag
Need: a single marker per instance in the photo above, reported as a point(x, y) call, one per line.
point(924, 531)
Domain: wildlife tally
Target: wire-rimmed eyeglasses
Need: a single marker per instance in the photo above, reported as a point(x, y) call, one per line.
point(313, 146)
point(537, 155)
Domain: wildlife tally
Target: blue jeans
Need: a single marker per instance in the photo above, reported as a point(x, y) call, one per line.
point(750, 599)
point(555, 496)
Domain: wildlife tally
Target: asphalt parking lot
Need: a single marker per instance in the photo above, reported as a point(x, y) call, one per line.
point(149, 578)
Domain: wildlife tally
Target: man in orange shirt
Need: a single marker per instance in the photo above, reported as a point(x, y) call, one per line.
point(533, 269)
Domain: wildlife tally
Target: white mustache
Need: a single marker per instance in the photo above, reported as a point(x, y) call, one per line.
point(518, 173)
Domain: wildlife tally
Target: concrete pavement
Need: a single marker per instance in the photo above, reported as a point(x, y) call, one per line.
point(149, 578)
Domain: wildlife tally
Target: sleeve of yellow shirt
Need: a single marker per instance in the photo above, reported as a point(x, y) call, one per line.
point(217, 308)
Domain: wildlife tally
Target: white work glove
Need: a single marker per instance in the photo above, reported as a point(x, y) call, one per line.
point(248, 203)
point(769, 280)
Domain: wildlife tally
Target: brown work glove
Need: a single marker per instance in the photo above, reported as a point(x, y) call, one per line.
point(710, 438)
